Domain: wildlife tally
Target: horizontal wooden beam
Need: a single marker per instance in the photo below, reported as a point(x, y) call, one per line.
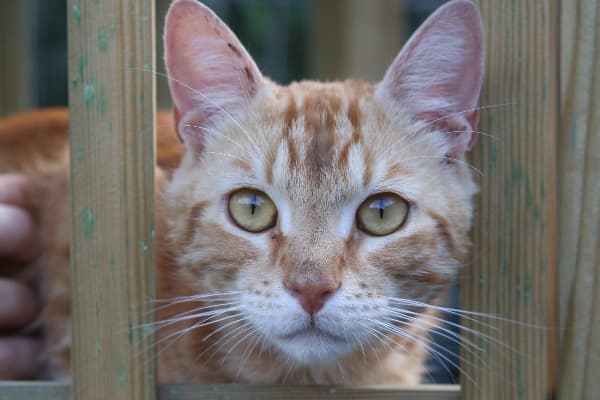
point(188, 391)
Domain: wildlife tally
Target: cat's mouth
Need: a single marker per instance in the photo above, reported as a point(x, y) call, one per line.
point(312, 332)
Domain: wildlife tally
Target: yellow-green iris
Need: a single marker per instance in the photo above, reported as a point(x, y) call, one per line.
point(382, 214)
point(252, 210)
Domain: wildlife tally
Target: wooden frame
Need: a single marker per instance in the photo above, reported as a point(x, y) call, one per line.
point(538, 213)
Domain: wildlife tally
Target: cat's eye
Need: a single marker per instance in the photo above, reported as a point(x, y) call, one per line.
point(382, 214)
point(252, 210)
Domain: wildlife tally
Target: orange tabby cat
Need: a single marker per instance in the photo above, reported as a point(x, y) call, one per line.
point(310, 230)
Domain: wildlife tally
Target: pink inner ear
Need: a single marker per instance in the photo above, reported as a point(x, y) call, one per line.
point(439, 71)
point(209, 70)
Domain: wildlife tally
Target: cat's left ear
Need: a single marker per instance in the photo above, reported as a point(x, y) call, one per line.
point(438, 74)
point(211, 75)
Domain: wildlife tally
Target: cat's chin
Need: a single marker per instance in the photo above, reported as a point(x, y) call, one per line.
point(313, 346)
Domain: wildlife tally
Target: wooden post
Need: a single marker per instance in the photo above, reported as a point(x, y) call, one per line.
point(16, 88)
point(112, 107)
point(579, 210)
point(512, 272)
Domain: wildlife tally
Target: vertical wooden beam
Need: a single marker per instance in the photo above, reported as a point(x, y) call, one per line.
point(16, 88)
point(356, 38)
point(579, 211)
point(112, 107)
point(513, 266)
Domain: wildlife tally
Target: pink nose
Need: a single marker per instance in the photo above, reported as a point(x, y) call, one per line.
point(314, 293)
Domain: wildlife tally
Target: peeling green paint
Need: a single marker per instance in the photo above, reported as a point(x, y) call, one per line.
point(89, 94)
point(122, 375)
point(527, 288)
point(143, 246)
point(516, 173)
point(102, 102)
point(82, 65)
point(522, 388)
point(528, 195)
point(88, 222)
point(102, 40)
point(573, 134)
point(152, 233)
point(77, 14)
point(507, 197)
point(130, 334)
point(80, 154)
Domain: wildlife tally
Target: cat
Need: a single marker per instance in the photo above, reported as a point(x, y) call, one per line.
point(305, 233)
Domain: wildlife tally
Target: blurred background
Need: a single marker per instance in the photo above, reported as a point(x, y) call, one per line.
point(289, 39)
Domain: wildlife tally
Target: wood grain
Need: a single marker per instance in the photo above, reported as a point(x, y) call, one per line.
point(512, 273)
point(57, 391)
point(112, 107)
point(579, 210)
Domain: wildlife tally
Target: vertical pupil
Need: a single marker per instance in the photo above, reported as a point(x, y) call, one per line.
point(253, 203)
point(381, 208)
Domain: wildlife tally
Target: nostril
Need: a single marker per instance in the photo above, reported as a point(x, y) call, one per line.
point(326, 294)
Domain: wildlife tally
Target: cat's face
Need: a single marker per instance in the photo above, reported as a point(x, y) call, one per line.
point(322, 212)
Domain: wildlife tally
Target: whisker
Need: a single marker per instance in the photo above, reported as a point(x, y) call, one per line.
point(252, 331)
point(470, 330)
point(187, 316)
point(452, 336)
point(383, 338)
point(247, 353)
point(451, 159)
point(197, 325)
point(213, 131)
point(227, 337)
point(196, 297)
point(202, 95)
point(470, 110)
point(403, 333)
point(461, 313)
point(225, 155)
point(478, 132)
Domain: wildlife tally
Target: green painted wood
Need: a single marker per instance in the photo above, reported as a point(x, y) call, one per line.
point(579, 210)
point(189, 391)
point(512, 272)
point(112, 107)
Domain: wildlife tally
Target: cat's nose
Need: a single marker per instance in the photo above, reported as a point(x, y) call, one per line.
point(312, 293)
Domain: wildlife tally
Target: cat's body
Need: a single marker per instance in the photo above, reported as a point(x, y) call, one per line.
point(306, 225)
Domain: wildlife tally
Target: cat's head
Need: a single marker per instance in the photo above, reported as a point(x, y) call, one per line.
point(324, 212)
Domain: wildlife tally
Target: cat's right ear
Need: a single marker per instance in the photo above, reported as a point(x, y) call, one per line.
point(211, 75)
